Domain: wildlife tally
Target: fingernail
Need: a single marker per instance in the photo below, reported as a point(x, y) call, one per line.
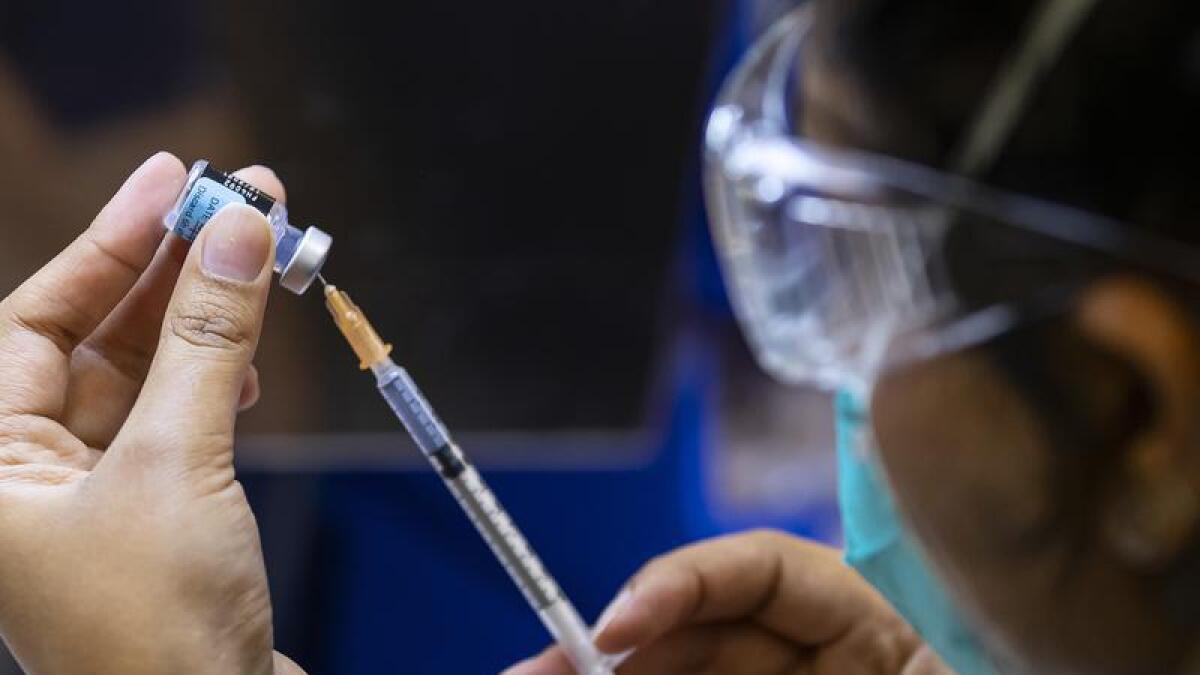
point(614, 608)
point(614, 661)
point(523, 668)
point(236, 243)
point(136, 180)
point(264, 169)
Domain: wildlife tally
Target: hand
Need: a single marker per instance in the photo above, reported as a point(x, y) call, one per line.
point(128, 545)
point(759, 603)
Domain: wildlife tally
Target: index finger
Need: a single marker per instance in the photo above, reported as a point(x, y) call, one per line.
point(43, 321)
point(264, 179)
point(799, 590)
point(118, 353)
point(128, 337)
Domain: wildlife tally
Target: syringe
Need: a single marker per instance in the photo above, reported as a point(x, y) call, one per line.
point(489, 517)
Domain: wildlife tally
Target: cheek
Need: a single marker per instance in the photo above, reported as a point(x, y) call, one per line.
point(968, 472)
point(963, 454)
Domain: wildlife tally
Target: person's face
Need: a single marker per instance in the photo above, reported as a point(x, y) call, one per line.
point(1056, 548)
point(1052, 511)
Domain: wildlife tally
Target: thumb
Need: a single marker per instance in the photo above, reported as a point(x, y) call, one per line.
point(185, 412)
point(286, 666)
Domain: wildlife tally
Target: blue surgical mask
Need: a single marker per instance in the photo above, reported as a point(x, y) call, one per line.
point(878, 546)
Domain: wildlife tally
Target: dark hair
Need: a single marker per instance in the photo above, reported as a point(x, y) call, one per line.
point(1113, 128)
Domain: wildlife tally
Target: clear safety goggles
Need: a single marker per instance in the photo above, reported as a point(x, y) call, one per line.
point(842, 263)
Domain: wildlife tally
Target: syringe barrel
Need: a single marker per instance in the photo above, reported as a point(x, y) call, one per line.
point(489, 517)
point(299, 255)
point(473, 495)
point(523, 565)
point(401, 393)
point(503, 537)
point(518, 559)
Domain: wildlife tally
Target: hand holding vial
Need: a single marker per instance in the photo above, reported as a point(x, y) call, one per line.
point(129, 544)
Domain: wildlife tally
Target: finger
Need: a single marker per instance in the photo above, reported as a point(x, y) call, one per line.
point(109, 367)
point(727, 649)
point(185, 413)
point(250, 390)
point(264, 179)
point(51, 313)
point(800, 590)
point(721, 649)
point(285, 666)
point(926, 662)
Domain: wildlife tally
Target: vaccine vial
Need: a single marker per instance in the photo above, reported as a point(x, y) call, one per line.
point(299, 256)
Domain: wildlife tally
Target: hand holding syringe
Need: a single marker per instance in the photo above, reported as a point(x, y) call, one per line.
point(489, 517)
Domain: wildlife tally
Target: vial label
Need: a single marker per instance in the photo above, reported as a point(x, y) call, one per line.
point(211, 192)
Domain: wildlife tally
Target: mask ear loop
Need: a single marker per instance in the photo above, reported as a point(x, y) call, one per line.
point(1047, 37)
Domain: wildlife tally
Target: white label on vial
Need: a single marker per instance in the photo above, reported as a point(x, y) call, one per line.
point(207, 197)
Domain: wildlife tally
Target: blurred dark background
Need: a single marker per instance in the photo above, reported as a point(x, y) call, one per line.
point(503, 182)
point(513, 192)
point(498, 178)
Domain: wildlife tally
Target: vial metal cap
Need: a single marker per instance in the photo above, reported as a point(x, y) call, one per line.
point(307, 261)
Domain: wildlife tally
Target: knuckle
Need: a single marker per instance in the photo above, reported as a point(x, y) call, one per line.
point(657, 564)
point(213, 323)
point(672, 573)
point(766, 538)
point(13, 428)
point(758, 551)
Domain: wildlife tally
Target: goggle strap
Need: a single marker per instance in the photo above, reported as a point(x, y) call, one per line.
point(1048, 35)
